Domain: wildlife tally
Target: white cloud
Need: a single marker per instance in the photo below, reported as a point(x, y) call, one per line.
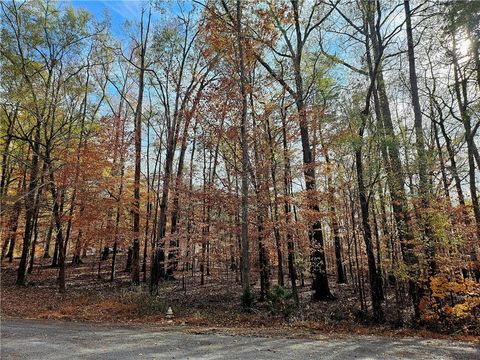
point(127, 9)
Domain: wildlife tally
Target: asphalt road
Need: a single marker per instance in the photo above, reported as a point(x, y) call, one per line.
point(24, 339)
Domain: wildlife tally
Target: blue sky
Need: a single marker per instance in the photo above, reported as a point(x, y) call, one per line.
point(123, 10)
point(119, 10)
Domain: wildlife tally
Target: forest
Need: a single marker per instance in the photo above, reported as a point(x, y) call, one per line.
point(277, 161)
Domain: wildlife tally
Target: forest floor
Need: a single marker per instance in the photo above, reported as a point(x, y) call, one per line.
point(214, 306)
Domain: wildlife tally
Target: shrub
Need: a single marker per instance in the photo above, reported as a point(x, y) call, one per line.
point(145, 303)
point(247, 300)
point(454, 304)
point(280, 301)
point(152, 304)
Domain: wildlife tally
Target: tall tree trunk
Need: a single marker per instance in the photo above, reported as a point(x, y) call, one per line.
point(317, 256)
point(82, 143)
point(58, 200)
point(317, 247)
point(420, 145)
point(34, 244)
point(30, 206)
point(35, 221)
point(460, 87)
point(259, 182)
point(275, 212)
point(441, 159)
point(174, 244)
point(391, 155)
point(77, 255)
point(138, 154)
point(13, 223)
point(453, 165)
point(244, 144)
point(148, 205)
point(116, 231)
point(190, 249)
point(341, 277)
point(374, 275)
point(4, 180)
point(48, 239)
point(288, 207)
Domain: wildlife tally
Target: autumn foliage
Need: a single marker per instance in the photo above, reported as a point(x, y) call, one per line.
point(336, 141)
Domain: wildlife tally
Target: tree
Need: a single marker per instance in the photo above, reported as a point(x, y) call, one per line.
point(298, 92)
point(138, 136)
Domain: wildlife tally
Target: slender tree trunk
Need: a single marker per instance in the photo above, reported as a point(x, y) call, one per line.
point(30, 207)
point(13, 224)
point(317, 248)
point(288, 208)
point(275, 215)
point(35, 222)
point(441, 159)
point(317, 256)
point(174, 243)
point(56, 251)
point(77, 255)
point(460, 87)
point(259, 181)
point(453, 166)
point(190, 251)
point(48, 239)
point(58, 199)
point(34, 245)
point(461, 97)
point(391, 156)
point(374, 276)
point(474, 36)
point(341, 277)
point(6, 155)
point(244, 143)
point(138, 154)
point(116, 233)
point(420, 145)
point(149, 206)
